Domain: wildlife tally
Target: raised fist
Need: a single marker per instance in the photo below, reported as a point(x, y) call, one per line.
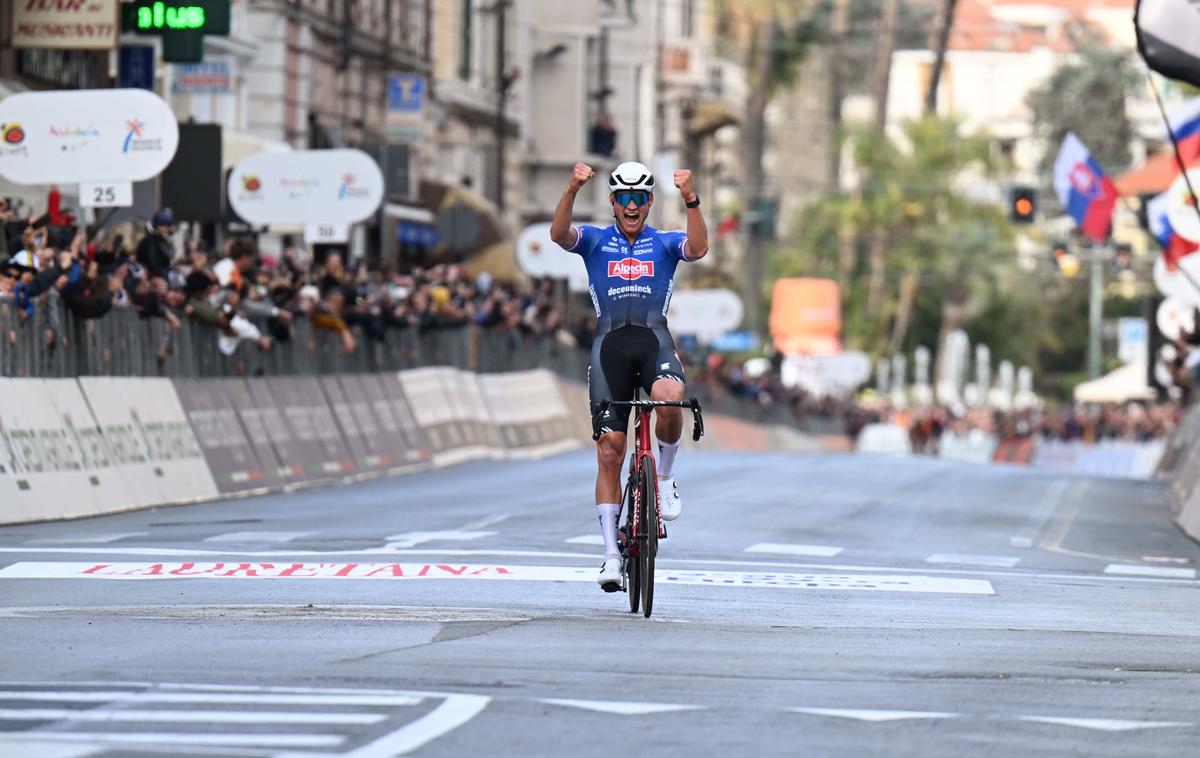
point(581, 175)
point(683, 180)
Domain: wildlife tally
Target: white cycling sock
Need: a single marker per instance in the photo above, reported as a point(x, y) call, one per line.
point(608, 527)
point(666, 459)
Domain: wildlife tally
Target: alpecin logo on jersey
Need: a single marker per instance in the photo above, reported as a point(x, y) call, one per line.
point(630, 268)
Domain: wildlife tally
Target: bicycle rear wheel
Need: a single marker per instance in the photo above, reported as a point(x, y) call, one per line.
point(648, 542)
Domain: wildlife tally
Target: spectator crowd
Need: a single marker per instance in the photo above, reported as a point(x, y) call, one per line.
point(245, 296)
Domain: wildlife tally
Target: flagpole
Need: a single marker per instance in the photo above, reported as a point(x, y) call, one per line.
point(1182, 167)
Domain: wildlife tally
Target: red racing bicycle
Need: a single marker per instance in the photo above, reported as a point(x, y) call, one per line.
point(638, 539)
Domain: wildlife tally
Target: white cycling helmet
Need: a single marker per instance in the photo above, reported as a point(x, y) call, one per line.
point(631, 175)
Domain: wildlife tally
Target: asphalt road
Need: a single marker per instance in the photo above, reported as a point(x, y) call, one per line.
point(806, 605)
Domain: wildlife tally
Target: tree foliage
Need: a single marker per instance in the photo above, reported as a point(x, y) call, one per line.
point(1087, 96)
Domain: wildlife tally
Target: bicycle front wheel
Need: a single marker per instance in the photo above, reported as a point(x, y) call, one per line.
point(648, 544)
point(631, 562)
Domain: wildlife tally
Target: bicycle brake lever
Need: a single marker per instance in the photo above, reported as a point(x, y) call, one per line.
point(697, 420)
point(599, 412)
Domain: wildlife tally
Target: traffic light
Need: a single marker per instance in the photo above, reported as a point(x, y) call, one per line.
point(1022, 204)
point(1066, 262)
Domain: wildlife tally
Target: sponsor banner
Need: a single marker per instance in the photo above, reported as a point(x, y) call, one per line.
point(339, 186)
point(70, 24)
point(153, 448)
point(239, 457)
point(309, 445)
point(212, 77)
point(630, 268)
point(63, 136)
point(406, 421)
point(359, 425)
point(387, 436)
point(486, 572)
point(54, 462)
point(528, 411)
point(430, 402)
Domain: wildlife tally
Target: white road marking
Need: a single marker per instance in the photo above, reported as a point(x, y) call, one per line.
point(166, 738)
point(212, 698)
point(780, 548)
point(487, 521)
point(586, 539)
point(500, 552)
point(1128, 569)
point(31, 749)
point(622, 709)
point(487, 572)
point(875, 715)
point(183, 717)
point(959, 559)
point(94, 539)
point(1164, 559)
point(412, 539)
point(1020, 542)
point(243, 537)
point(453, 713)
point(1106, 725)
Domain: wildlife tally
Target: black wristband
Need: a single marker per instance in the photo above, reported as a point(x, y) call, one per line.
point(694, 204)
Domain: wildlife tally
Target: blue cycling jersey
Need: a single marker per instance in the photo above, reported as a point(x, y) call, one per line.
point(630, 285)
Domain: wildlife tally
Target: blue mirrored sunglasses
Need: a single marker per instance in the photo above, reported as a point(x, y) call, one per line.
point(638, 198)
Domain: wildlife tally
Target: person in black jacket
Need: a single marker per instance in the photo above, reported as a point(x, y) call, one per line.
point(155, 251)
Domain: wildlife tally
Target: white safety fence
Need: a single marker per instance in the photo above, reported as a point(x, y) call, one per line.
point(80, 447)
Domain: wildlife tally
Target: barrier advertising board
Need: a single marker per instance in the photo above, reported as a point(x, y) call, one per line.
point(306, 186)
point(64, 136)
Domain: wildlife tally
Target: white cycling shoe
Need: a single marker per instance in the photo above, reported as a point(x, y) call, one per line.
point(610, 574)
point(668, 499)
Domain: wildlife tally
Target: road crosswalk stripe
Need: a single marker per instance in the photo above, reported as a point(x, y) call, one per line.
point(168, 738)
point(182, 717)
point(961, 559)
point(875, 715)
point(218, 698)
point(1105, 725)
point(1126, 569)
point(244, 537)
point(92, 539)
point(780, 548)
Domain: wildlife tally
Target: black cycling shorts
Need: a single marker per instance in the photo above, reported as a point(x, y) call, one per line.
point(627, 358)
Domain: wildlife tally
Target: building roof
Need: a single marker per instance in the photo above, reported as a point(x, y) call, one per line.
point(1021, 26)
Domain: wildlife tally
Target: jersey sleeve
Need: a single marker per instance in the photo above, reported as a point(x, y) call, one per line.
point(675, 244)
point(588, 237)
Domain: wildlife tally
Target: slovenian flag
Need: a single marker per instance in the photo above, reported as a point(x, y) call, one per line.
point(1087, 193)
point(1174, 247)
point(1184, 122)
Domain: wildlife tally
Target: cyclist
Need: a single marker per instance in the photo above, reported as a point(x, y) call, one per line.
point(631, 270)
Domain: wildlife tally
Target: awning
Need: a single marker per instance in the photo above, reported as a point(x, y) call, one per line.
point(1118, 386)
point(1152, 177)
point(237, 145)
point(467, 223)
point(710, 115)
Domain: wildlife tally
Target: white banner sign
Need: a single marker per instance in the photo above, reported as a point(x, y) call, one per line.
point(537, 255)
point(826, 374)
point(306, 187)
point(1181, 211)
point(706, 313)
point(85, 135)
point(1175, 284)
point(106, 194)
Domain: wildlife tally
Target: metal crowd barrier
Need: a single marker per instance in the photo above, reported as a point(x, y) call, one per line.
point(54, 343)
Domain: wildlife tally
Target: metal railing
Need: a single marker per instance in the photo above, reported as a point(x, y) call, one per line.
point(54, 343)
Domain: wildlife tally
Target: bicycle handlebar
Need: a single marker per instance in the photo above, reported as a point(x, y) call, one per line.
point(693, 403)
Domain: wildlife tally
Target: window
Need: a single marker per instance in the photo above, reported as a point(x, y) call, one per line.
point(464, 46)
point(687, 18)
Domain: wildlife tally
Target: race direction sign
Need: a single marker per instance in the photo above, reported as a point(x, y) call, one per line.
point(85, 136)
point(339, 186)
